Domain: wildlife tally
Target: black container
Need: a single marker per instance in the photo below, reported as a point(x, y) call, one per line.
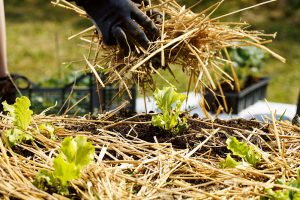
point(80, 97)
point(236, 102)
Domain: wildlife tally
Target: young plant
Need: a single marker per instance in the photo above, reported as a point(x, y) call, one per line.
point(74, 156)
point(229, 162)
point(48, 130)
point(169, 102)
point(285, 194)
point(21, 117)
point(242, 150)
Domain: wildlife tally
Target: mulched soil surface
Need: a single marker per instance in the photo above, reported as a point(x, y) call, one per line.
point(191, 137)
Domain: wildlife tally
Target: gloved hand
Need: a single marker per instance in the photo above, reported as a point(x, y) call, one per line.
point(117, 21)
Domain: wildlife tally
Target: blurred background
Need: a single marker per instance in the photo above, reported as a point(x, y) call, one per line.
point(38, 45)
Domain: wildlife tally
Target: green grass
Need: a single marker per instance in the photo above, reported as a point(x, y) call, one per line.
point(37, 35)
point(37, 38)
point(285, 78)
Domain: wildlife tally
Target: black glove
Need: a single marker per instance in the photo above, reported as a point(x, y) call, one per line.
point(117, 21)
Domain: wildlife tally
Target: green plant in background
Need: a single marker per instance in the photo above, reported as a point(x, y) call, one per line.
point(69, 76)
point(284, 194)
point(249, 57)
point(169, 102)
point(242, 150)
point(247, 61)
point(21, 116)
point(74, 156)
point(43, 100)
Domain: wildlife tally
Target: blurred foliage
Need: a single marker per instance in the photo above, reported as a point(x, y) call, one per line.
point(290, 6)
point(247, 57)
point(248, 63)
point(70, 76)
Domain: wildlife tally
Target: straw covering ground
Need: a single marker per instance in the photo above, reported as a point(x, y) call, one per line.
point(126, 167)
point(135, 160)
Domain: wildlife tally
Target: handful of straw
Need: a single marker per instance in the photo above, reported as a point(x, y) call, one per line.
point(196, 41)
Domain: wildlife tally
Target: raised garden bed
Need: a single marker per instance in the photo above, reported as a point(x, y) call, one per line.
point(133, 158)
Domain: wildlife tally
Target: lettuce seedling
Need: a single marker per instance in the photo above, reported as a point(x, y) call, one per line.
point(169, 102)
point(74, 156)
point(229, 162)
point(48, 130)
point(242, 150)
point(21, 117)
point(285, 194)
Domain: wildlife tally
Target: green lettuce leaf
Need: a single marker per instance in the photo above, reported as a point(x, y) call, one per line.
point(285, 194)
point(243, 150)
point(19, 112)
point(75, 154)
point(166, 97)
point(64, 170)
point(21, 117)
point(16, 136)
point(46, 181)
point(78, 150)
point(229, 162)
point(169, 102)
point(48, 130)
point(278, 195)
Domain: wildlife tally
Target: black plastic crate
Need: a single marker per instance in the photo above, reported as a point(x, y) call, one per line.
point(77, 98)
point(236, 102)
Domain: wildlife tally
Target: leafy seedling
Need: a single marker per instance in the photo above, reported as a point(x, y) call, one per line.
point(229, 162)
point(74, 156)
point(169, 102)
point(46, 181)
point(21, 117)
point(48, 130)
point(284, 194)
point(242, 150)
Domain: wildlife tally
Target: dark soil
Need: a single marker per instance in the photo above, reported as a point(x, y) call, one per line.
point(189, 138)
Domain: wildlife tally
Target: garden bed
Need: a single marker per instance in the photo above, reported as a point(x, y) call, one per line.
point(135, 160)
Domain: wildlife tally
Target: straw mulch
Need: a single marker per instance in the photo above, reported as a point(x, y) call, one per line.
point(129, 168)
point(195, 41)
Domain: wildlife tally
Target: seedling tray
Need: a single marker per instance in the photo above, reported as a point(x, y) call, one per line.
point(77, 98)
point(237, 102)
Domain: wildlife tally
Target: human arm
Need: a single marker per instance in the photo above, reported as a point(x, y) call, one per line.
point(3, 56)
